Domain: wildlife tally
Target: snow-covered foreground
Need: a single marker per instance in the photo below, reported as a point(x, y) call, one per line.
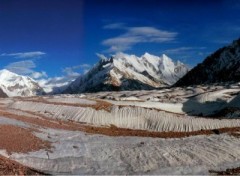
point(125, 117)
point(192, 101)
point(76, 152)
point(80, 128)
point(79, 153)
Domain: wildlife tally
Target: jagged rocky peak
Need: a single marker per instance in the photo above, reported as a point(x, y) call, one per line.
point(129, 72)
point(221, 66)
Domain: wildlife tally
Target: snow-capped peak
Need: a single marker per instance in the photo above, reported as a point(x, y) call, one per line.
point(13, 84)
point(129, 72)
point(6, 74)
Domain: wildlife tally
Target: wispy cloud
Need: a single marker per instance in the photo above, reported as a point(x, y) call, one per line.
point(22, 67)
point(183, 50)
point(69, 74)
point(187, 54)
point(37, 75)
point(135, 35)
point(25, 55)
point(72, 71)
point(114, 26)
point(26, 67)
point(53, 83)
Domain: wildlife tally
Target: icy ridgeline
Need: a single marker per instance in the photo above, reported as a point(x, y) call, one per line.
point(129, 72)
point(12, 84)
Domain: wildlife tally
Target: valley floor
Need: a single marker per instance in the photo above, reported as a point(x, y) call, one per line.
point(169, 131)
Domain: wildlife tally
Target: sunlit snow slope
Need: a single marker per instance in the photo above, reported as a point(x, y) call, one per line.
point(16, 85)
point(129, 72)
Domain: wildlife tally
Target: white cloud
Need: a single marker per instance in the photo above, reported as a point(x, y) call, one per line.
point(70, 74)
point(135, 35)
point(25, 55)
point(181, 50)
point(121, 43)
point(37, 75)
point(27, 67)
point(50, 84)
point(56, 83)
point(21, 67)
point(152, 32)
point(72, 71)
point(186, 54)
point(101, 56)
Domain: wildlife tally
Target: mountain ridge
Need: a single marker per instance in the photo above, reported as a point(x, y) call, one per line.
point(221, 66)
point(129, 72)
point(12, 84)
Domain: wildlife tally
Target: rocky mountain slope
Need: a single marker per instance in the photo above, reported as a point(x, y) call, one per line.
point(129, 72)
point(221, 66)
point(12, 84)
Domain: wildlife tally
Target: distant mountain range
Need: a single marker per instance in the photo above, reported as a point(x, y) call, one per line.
point(129, 72)
point(12, 84)
point(221, 66)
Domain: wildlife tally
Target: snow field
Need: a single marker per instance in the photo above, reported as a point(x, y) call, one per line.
point(125, 117)
point(79, 153)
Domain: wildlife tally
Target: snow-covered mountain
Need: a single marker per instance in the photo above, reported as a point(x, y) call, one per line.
point(129, 72)
point(221, 66)
point(12, 84)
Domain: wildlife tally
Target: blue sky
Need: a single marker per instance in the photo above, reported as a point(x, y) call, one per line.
point(55, 40)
